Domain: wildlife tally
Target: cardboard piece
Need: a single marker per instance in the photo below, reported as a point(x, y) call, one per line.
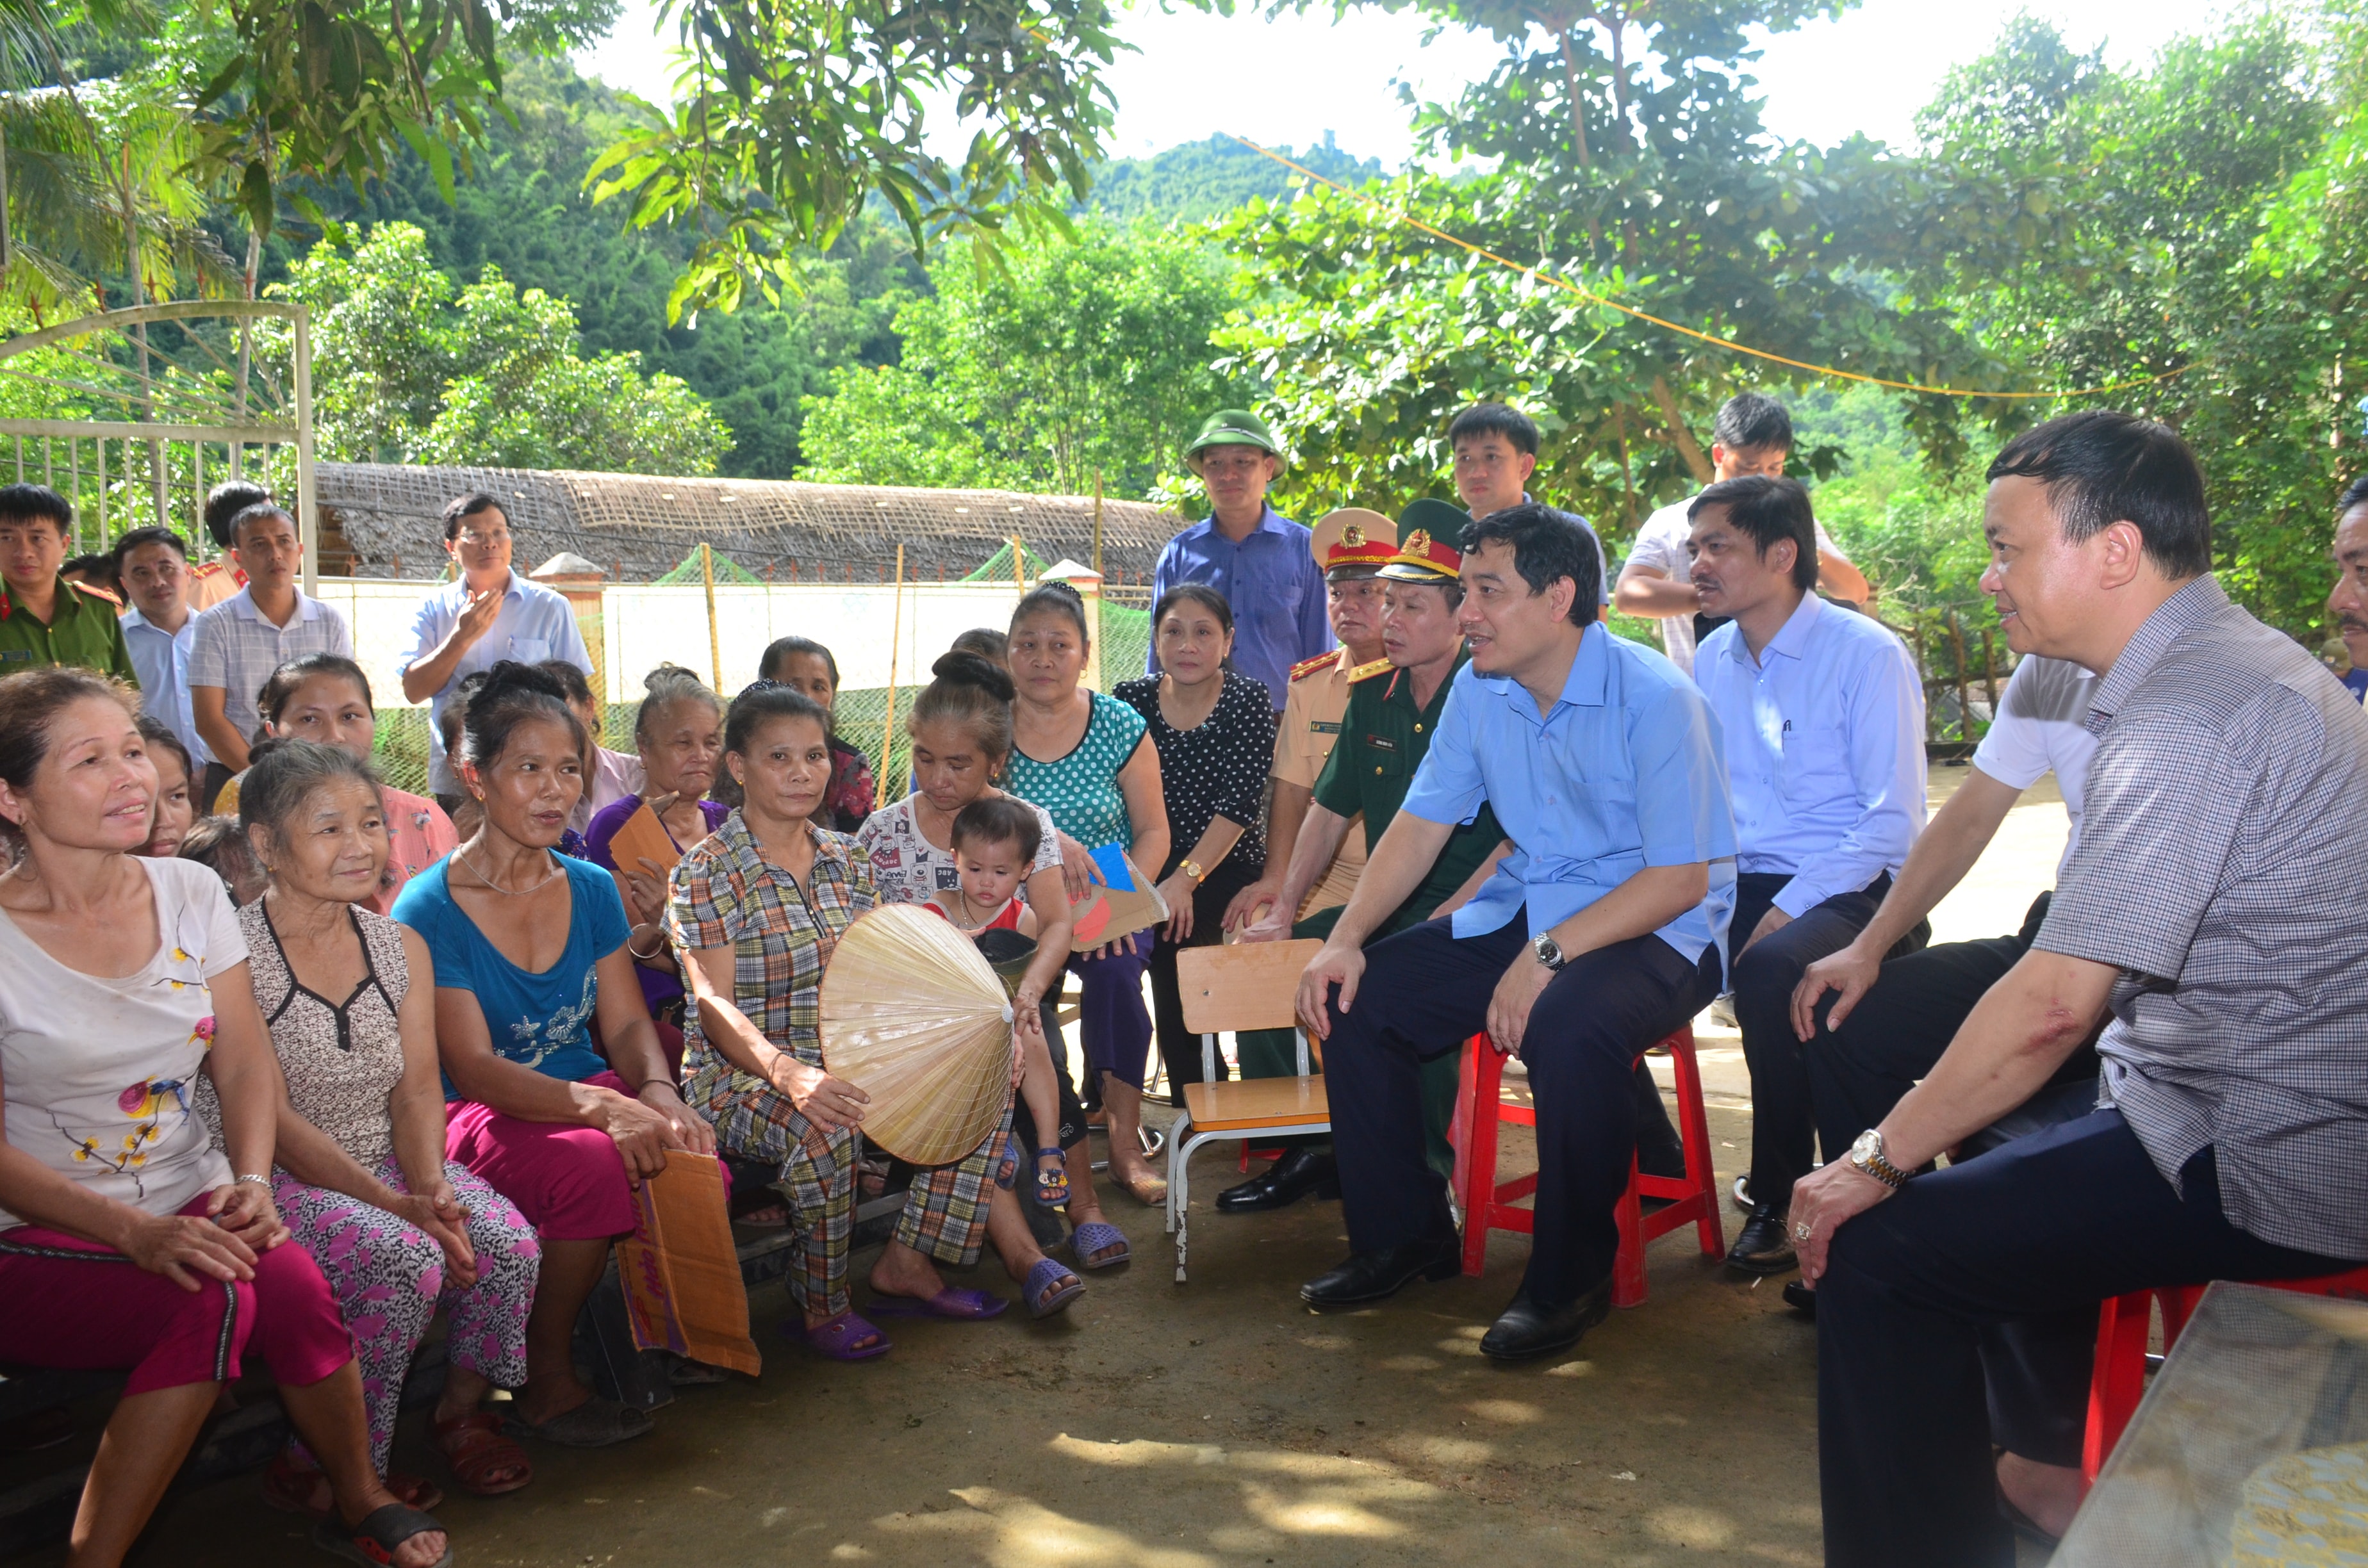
point(644, 838)
point(1130, 903)
point(681, 1272)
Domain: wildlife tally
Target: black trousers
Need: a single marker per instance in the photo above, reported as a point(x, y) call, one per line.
point(1783, 1120)
point(1424, 992)
point(1858, 1073)
point(1180, 1048)
point(2042, 1229)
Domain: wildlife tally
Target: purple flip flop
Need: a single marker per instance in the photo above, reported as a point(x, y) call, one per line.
point(1047, 1293)
point(836, 1338)
point(964, 1305)
point(1093, 1242)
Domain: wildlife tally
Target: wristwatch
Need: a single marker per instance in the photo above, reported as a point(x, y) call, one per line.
point(1549, 951)
point(1867, 1156)
point(1191, 868)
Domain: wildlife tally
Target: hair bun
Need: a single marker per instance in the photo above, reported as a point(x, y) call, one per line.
point(965, 669)
point(667, 676)
point(509, 674)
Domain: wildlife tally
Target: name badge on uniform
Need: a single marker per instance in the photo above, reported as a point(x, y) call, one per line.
point(1323, 727)
point(1381, 743)
point(16, 655)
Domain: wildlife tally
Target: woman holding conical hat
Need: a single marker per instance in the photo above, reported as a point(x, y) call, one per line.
point(757, 909)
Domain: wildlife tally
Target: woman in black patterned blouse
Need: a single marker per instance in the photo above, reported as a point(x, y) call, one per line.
point(1215, 732)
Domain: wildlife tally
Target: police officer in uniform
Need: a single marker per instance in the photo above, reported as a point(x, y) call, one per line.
point(45, 619)
point(1351, 545)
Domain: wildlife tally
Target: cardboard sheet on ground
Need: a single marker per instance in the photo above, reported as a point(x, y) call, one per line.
point(1130, 903)
point(681, 1275)
point(641, 837)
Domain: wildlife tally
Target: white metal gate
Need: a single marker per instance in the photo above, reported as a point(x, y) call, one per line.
point(120, 412)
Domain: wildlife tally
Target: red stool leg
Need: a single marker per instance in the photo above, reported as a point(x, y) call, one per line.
point(2119, 1377)
point(1693, 1129)
point(1628, 1285)
point(1484, 1070)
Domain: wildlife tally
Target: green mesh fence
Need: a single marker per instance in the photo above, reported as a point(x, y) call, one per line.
point(726, 571)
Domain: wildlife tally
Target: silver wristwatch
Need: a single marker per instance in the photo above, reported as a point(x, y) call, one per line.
point(1867, 1156)
point(1549, 951)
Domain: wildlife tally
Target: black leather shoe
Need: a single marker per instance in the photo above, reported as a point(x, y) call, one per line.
point(1668, 1159)
point(1766, 1244)
point(1289, 1179)
point(1378, 1276)
point(1528, 1330)
point(1801, 1298)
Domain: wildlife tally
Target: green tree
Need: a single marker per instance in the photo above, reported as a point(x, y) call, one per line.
point(412, 368)
point(2209, 236)
point(1087, 357)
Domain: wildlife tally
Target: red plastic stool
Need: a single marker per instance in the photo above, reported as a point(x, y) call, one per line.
point(2118, 1380)
point(1487, 1204)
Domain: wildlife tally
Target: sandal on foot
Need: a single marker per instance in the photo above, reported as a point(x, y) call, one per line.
point(379, 1536)
point(1099, 1246)
point(485, 1463)
point(837, 1337)
point(1052, 1185)
point(596, 1423)
point(967, 1306)
point(1051, 1288)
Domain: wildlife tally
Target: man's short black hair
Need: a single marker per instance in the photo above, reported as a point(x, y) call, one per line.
point(226, 501)
point(1546, 544)
point(1495, 419)
point(257, 513)
point(2101, 467)
point(21, 502)
point(137, 538)
point(1769, 510)
point(2354, 494)
point(1749, 421)
point(94, 568)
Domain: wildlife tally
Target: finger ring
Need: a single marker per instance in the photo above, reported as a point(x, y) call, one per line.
point(1801, 1232)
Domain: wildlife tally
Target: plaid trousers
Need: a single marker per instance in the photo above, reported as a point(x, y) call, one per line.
point(945, 1208)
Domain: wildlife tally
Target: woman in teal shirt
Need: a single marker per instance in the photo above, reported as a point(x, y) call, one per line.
point(1081, 757)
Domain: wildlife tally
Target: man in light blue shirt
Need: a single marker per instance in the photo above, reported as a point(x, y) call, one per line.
point(1824, 720)
point(1599, 933)
point(159, 632)
point(489, 615)
point(1260, 560)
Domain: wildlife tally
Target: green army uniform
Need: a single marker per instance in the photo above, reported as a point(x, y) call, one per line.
point(84, 631)
point(1383, 738)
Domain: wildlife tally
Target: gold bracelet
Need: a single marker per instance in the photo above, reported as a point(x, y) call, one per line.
point(651, 955)
point(1192, 870)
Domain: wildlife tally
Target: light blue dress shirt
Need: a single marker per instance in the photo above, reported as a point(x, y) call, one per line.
point(1271, 581)
point(162, 660)
point(1825, 747)
point(535, 623)
point(1625, 772)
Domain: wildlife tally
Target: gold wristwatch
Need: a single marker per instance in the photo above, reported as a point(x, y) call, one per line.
point(1192, 870)
point(1867, 1156)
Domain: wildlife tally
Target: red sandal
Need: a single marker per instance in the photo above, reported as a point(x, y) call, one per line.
point(485, 1463)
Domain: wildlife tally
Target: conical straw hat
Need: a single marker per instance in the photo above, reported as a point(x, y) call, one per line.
point(912, 1016)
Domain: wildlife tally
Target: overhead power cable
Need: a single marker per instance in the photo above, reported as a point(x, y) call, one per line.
point(1591, 297)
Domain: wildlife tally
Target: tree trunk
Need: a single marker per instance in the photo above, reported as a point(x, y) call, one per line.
point(1697, 460)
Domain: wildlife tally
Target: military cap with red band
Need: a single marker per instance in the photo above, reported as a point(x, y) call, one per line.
point(1427, 533)
point(1353, 542)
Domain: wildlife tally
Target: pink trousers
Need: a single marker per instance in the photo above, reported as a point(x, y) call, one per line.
point(568, 1181)
point(69, 1302)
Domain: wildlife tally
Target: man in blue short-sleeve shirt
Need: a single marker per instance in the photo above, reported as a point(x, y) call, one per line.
point(1601, 931)
point(1254, 555)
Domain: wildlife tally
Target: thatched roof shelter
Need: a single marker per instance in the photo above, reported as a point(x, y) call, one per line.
point(382, 520)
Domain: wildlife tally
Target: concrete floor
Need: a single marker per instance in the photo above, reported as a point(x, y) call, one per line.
point(1220, 1423)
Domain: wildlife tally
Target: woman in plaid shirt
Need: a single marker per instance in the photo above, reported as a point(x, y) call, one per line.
point(758, 909)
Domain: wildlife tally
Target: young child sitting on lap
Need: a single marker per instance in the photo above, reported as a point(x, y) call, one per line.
point(995, 842)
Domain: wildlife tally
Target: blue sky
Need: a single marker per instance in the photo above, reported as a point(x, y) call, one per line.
point(1291, 80)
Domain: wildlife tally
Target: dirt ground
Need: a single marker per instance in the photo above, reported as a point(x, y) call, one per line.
point(1219, 1422)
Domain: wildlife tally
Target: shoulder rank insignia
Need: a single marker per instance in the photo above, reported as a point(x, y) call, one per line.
point(1367, 672)
point(1322, 662)
point(100, 594)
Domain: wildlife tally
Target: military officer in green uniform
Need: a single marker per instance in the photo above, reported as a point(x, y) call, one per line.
point(44, 619)
point(1393, 708)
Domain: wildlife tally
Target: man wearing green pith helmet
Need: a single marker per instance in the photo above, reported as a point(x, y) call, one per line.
point(1246, 550)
